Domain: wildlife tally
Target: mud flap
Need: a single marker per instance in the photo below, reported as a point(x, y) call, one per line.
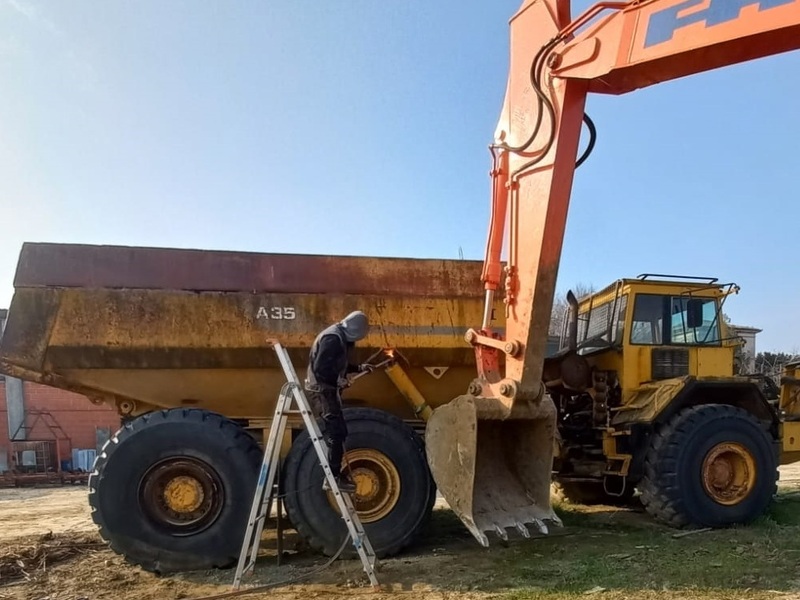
point(494, 472)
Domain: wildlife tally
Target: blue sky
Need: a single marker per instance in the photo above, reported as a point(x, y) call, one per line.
point(360, 127)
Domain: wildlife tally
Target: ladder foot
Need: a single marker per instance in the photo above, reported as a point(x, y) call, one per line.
point(262, 502)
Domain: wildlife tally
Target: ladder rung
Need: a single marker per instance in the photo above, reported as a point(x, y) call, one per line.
point(293, 392)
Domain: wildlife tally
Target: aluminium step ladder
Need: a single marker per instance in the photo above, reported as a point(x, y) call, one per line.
point(262, 501)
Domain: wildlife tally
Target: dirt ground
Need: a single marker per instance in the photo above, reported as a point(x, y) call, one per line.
point(30, 512)
point(62, 515)
point(447, 563)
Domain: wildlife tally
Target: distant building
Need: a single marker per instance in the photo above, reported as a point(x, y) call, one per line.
point(748, 350)
point(41, 427)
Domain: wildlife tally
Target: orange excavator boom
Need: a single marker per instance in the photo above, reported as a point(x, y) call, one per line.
point(490, 450)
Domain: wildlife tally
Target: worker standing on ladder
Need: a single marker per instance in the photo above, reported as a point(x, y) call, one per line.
point(328, 368)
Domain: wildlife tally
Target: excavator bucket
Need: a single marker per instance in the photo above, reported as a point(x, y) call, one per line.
point(494, 470)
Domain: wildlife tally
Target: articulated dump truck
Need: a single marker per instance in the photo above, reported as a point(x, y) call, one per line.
point(177, 342)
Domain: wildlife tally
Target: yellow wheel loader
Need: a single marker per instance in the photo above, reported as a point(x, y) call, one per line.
point(648, 399)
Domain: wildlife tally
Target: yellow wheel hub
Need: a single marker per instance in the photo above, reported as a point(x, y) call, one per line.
point(183, 494)
point(377, 483)
point(729, 473)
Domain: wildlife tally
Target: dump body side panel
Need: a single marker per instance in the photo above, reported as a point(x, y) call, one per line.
point(167, 328)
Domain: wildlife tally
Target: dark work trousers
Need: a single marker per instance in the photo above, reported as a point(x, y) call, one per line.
point(328, 405)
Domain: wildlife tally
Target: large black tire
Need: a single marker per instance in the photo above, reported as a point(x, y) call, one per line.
point(590, 493)
point(673, 489)
point(158, 453)
point(309, 507)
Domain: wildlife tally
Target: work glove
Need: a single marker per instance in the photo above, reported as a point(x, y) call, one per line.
point(366, 368)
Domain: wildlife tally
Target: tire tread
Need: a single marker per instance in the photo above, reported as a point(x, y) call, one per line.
point(311, 536)
point(660, 491)
point(155, 561)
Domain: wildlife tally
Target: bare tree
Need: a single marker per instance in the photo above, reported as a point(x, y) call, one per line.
point(772, 364)
point(561, 307)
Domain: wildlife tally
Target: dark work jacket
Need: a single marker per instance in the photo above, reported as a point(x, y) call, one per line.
point(328, 362)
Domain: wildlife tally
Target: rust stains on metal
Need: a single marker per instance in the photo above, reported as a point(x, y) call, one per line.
point(27, 332)
point(176, 329)
point(74, 265)
point(158, 342)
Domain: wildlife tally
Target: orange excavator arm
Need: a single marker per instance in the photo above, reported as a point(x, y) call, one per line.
point(613, 48)
point(490, 451)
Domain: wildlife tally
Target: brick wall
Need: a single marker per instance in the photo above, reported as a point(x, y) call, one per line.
point(5, 450)
point(78, 417)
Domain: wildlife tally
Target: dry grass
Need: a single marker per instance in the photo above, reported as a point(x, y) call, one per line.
point(30, 559)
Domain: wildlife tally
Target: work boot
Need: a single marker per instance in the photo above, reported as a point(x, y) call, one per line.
point(346, 485)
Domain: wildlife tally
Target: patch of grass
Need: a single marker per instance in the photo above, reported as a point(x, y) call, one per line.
point(628, 555)
point(444, 525)
point(614, 519)
point(785, 511)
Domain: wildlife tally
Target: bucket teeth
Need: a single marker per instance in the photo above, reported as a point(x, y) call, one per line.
point(478, 534)
point(523, 531)
point(501, 533)
point(541, 526)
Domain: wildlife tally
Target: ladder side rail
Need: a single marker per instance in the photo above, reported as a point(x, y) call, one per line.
point(355, 528)
point(279, 424)
point(265, 480)
point(293, 391)
point(352, 522)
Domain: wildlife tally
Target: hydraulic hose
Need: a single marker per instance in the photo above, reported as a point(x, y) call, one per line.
point(592, 140)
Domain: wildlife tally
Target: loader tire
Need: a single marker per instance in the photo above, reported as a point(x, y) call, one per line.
point(171, 490)
point(711, 466)
point(395, 490)
point(590, 493)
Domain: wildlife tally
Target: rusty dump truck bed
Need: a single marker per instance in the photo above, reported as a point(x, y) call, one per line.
point(144, 328)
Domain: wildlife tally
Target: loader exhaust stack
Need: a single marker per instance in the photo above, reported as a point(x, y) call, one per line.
point(492, 466)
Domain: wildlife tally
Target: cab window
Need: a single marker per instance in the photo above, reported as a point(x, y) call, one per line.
point(664, 320)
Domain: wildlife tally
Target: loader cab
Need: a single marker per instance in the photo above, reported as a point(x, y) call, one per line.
point(656, 327)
